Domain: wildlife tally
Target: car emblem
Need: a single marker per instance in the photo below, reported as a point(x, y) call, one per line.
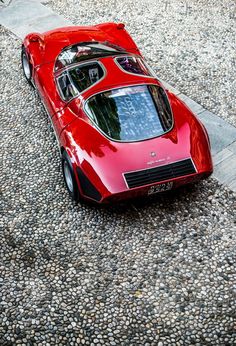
point(153, 154)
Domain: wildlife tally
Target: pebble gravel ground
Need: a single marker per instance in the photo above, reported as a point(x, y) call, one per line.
point(190, 43)
point(159, 271)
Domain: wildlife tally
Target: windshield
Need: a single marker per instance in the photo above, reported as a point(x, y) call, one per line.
point(85, 51)
point(131, 113)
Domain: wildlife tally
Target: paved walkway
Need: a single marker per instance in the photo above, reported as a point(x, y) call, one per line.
point(24, 16)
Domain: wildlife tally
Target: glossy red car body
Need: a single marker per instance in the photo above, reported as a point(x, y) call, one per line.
point(103, 161)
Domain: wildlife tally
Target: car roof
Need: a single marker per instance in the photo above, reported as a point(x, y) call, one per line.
point(115, 77)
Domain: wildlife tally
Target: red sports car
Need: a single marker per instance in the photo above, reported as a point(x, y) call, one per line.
point(121, 134)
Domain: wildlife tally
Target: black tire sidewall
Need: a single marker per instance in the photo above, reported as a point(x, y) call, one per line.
point(75, 193)
point(23, 52)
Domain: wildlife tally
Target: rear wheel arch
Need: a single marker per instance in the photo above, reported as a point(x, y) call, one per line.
point(69, 153)
point(74, 165)
point(69, 175)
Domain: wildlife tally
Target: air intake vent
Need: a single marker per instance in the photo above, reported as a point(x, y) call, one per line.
point(158, 174)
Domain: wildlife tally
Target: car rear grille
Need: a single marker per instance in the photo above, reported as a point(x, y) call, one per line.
point(158, 174)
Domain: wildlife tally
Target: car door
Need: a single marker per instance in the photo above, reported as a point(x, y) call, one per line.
point(51, 96)
point(47, 88)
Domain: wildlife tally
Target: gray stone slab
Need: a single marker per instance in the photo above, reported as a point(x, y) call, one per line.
point(24, 16)
point(225, 171)
point(232, 185)
point(221, 133)
point(195, 107)
point(232, 147)
point(221, 156)
point(21, 12)
point(41, 24)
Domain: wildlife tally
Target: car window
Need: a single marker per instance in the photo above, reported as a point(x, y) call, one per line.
point(79, 78)
point(132, 64)
point(66, 87)
point(131, 113)
point(84, 51)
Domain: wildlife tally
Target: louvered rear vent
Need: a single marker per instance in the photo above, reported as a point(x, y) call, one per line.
point(161, 173)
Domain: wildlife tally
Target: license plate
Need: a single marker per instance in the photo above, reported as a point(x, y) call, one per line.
point(160, 188)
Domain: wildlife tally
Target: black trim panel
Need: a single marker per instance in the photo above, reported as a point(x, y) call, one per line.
point(87, 187)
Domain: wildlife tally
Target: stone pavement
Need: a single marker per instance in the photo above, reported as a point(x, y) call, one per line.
point(24, 16)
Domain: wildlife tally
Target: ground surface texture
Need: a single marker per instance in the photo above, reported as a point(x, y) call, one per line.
point(152, 272)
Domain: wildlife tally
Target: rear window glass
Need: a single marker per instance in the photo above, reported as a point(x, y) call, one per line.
point(133, 65)
point(84, 51)
point(77, 79)
point(131, 113)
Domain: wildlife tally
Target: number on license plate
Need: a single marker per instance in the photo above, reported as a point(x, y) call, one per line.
point(160, 188)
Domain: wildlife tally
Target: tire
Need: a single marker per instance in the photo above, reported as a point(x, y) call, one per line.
point(69, 176)
point(26, 66)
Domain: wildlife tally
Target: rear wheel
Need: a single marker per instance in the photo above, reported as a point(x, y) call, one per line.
point(69, 176)
point(26, 66)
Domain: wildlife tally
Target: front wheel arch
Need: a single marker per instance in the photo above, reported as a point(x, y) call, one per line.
point(27, 65)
